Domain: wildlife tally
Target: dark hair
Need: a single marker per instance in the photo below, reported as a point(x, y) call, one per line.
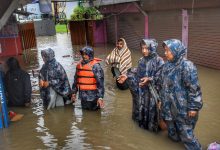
point(163, 44)
point(142, 43)
point(12, 63)
point(120, 40)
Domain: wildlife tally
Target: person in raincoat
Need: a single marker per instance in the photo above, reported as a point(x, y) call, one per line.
point(53, 81)
point(148, 70)
point(120, 61)
point(17, 84)
point(181, 95)
point(89, 81)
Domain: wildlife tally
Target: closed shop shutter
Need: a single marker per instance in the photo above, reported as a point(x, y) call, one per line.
point(204, 37)
point(110, 28)
point(165, 25)
point(131, 28)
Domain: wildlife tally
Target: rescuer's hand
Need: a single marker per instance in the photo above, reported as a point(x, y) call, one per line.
point(73, 98)
point(100, 103)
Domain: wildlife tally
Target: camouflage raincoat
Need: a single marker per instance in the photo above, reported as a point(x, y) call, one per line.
point(180, 93)
point(144, 106)
point(53, 72)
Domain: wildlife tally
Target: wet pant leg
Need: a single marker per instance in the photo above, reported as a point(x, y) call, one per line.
point(89, 105)
point(55, 99)
point(185, 129)
point(59, 101)
point(52, 102)
point(172, 131)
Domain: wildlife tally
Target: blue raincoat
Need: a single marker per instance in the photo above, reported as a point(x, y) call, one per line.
point(53, 72)
point(144, 106)
point(180, 93)
point(89, 97)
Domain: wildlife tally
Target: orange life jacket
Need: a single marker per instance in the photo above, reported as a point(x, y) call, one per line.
point(85, 77)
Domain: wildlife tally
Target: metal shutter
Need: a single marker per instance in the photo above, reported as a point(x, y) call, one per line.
point(165, 25)
point(110, 28)
point(131, 28)
point(204, 37)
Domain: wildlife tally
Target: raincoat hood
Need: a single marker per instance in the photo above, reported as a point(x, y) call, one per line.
point(12, 64)
point(151, 44)
point(88, 51)
point(48, 54)
point(176, 47)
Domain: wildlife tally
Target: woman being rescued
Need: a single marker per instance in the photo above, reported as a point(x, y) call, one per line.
point(120, 61)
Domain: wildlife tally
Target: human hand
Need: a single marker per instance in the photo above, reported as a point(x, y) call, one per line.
point(143, 81)
point(121, 79)
point(159, 105)
point(73, 98)
point(41, 83)
point(192, 113)
point(46, 84)
point(100, 103)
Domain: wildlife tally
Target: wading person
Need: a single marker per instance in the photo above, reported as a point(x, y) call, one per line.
point(120, 61)
point(18, 84)
point(53, 81)
point(181, 95)
point(89, 81)
point(145, 105)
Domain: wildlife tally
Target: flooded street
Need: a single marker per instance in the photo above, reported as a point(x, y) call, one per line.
point(111, 128)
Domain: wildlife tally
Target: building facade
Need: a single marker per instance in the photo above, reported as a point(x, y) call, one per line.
point(196, 23)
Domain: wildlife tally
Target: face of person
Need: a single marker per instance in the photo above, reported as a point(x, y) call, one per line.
point(85, 56)
point(44, 59)
point(120, 45)
point(168, 53)
point(144, 50)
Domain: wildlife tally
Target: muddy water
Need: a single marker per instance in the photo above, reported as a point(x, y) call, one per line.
point(110, 128)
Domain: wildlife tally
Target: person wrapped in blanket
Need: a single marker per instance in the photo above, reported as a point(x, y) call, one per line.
point(148, 70)
point(181, 95)
point(120, 61)
point(89, 81)
point(53, 81)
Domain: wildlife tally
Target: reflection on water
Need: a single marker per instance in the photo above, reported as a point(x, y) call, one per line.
point(111, 128)
point(48, 139)
point(74, 139)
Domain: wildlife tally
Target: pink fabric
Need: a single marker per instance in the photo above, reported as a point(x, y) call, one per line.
point(214, 146)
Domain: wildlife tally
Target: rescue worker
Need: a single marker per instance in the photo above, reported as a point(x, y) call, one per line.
point(53, 81)
point(181, 95)
point(148, 70)
point(89, 81)
point(120, 61)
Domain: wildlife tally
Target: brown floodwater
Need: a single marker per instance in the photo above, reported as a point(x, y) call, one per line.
point(71, 127)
